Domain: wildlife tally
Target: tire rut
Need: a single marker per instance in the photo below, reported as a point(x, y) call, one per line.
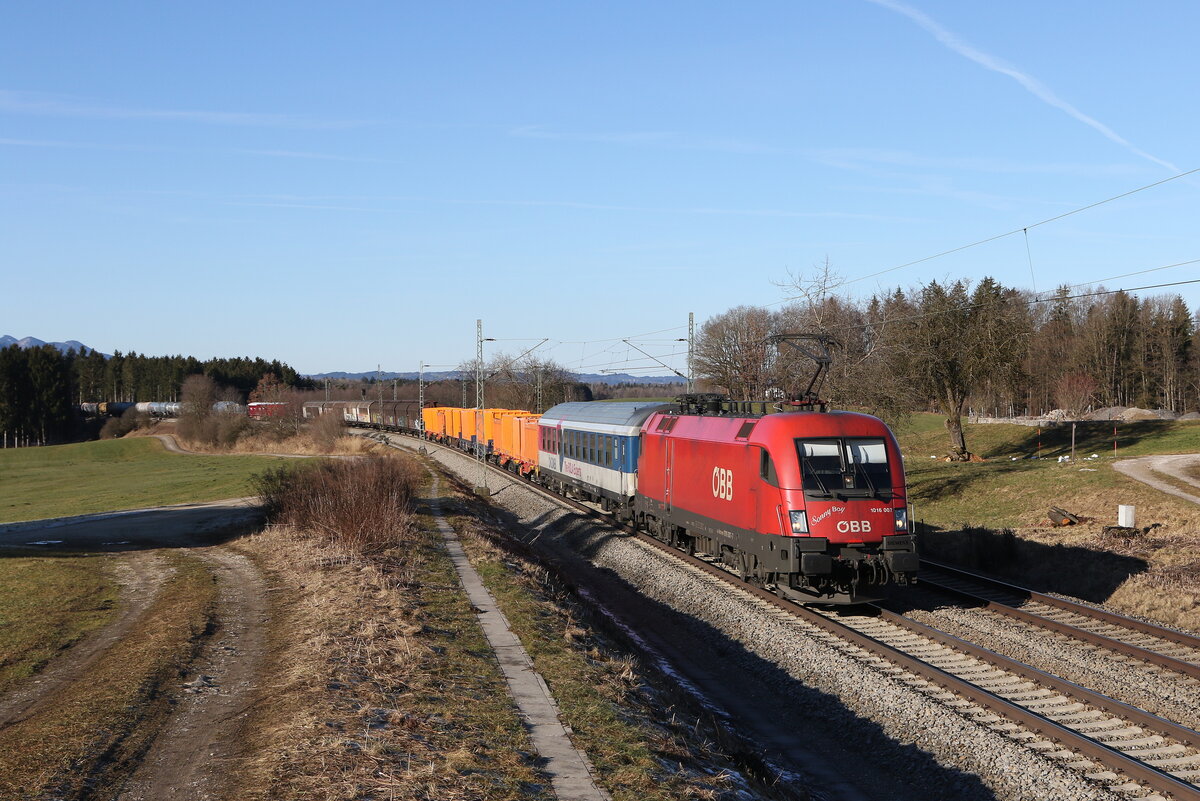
point(190, 756)
point(141, 575)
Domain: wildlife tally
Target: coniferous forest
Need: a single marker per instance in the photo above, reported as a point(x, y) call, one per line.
point(41, 388)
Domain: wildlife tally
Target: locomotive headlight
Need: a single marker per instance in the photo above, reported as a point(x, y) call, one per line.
point(901, 519)
point(799, 522)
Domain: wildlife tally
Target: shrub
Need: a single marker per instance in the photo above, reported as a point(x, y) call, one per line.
point(326, 430)
point(120, 426)
point(362, 505)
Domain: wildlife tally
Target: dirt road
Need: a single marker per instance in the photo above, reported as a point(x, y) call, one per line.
point(189, 753)
point(1145, 468)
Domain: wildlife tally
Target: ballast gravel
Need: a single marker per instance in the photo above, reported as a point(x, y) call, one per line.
point(1162, 692)
point(880, 721)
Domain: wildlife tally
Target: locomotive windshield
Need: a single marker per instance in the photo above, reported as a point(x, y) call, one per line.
point(844, 467)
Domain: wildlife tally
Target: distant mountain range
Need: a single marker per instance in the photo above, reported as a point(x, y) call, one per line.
point(453, 375)
point(34, 342)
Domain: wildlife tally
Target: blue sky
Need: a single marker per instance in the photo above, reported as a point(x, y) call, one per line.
point(351, 184)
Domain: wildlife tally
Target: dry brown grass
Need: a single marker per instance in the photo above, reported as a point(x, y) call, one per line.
point(352, 507)
point(261, 440)
point(1152, 574)
point(383, 686)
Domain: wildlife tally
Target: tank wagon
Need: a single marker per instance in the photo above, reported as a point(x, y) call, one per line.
point(158, 409)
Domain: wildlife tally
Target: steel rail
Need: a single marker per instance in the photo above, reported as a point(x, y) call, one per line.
point(1096, 750)
point(1118, 646)
point(1116, 708)
point(1104, 754)
point(1177, 637)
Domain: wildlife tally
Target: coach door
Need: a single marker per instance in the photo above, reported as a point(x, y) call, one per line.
point(558, 447)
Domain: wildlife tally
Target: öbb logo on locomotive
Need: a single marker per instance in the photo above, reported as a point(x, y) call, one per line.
point(819, 514)
point(722, 484)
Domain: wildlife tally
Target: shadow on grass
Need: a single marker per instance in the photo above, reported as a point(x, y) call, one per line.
point(1093, 575)
point(1091, 436)
point(963, 478)
point(132, 531)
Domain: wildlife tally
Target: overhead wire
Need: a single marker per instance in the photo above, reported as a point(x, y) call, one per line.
point(1022, 229)
point(1030, 302)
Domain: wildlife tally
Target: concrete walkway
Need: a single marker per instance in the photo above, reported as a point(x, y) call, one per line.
point(569, 770)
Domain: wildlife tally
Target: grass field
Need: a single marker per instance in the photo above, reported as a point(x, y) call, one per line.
point(89, 477)
point(48, 603)
point(1010, 489)
point(993, 515)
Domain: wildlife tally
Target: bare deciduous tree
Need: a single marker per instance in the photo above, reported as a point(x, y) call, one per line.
point(732, 351)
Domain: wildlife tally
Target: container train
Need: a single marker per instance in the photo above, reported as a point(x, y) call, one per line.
point(809, 502)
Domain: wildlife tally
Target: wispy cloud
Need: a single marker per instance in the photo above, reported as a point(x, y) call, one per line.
point(298, 154)
point(40, 104)
point(866, 158)
point(674, 140)
point(1028, 82)
point(42, 143)
point(351, 203)
point(320, 207)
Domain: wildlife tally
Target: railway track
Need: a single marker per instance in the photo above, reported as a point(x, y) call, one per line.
point(1120, 746)
point(1155, 645)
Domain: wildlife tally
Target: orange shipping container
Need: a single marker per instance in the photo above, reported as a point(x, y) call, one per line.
point(467, 425)
point(529, 442)
point(509, 442)
point(493, 420)
point(435, 421)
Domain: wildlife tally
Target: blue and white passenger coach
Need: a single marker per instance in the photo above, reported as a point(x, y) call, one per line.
point(591, 449)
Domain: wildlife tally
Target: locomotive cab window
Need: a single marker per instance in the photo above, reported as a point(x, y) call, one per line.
point(851, 467)
point(766, 468)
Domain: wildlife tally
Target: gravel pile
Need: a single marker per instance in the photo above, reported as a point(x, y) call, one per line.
point(875, 718)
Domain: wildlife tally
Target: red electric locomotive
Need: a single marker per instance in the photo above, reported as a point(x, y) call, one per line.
point(810, 501)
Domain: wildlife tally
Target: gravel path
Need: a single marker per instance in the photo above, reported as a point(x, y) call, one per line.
point(1143, 469)
point(821, 711)
point(188, 756)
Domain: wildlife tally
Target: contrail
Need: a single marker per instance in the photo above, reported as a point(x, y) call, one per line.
point(1032, 85)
